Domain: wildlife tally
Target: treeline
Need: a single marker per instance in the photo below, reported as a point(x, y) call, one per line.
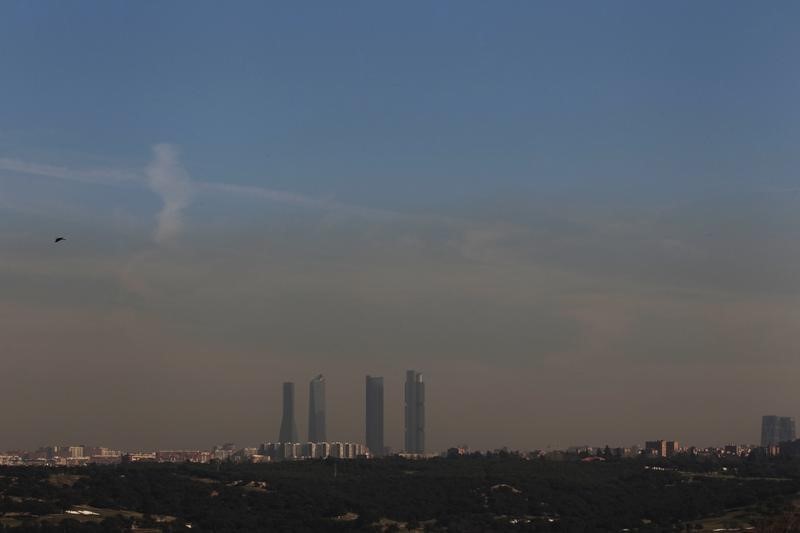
point(502, 492)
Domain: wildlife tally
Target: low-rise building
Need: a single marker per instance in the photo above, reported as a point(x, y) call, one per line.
point(183, 456)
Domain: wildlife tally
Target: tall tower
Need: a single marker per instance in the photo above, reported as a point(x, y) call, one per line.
point(786, 429)
point(288, 426)
point(316, 410)
point(374, 418)
point(777, 429)
point(415, 413)
point(769, 430)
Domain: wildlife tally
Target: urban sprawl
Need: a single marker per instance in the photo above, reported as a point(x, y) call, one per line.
point(778, 438)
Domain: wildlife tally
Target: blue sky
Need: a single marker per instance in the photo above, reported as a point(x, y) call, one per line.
point(520, 191)
point(376, 102)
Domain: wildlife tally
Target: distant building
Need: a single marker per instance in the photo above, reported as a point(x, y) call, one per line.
point(777, 429)
point(183, 456)
point(316, 410)
point(290, 451)
point(280, 451)
point(662, 448)
point(374, 415)
point(769, 430)
point(323, 450)
point(456, 452)
point(106, 452)
point(138, 457)
point(733, 449)
point(788, 448)
point(673, 447)
point(288, 431)
point(310, 449)
point(773, 450)
point(415, 413)
point(417, 456)
point(337, 450)
point(656, 447)
point(623, 452)
point(224, 452)
point(75, 452)
point(246, 454)
point(786, 429)
point(584, 449)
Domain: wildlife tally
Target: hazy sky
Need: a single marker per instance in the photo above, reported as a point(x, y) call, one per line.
point(579, 220)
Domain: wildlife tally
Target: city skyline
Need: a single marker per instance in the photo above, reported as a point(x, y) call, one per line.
point(397, 431)
point(581, 221)
point(398, 442)
point(777, 437)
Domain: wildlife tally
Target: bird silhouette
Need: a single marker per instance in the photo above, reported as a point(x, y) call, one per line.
point(59, 239)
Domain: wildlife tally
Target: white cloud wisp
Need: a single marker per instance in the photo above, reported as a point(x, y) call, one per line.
point(170, 181)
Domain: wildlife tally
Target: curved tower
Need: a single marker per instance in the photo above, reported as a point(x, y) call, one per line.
point(316, 410)
point(288, 425)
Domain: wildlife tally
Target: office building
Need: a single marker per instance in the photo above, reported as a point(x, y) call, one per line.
point(415, 413)
point(337, 450)
point(288, 426)
point(374, 415)
point(309, 449)
point(662, 448)
point(183, 456)
point(316, 410)
point(656, 447)
point(776, 429)
point(786, 429)
point(75, 452)
point(673, 447)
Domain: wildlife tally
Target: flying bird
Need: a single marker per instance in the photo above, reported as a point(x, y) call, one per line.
point(59, 239)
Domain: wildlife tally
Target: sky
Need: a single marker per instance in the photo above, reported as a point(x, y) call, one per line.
point(578, 220)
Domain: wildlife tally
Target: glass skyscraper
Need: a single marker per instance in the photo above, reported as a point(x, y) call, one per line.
point(288, 425)
point(777, 429)
point(316, 410)
point(415, 413)
point(374, 415)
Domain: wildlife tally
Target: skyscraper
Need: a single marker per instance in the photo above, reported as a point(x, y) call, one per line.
point(415, 413)
point(374, 418)
point(316, 410)
point(288, 426)
point(786, 429)
point(777, 429)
